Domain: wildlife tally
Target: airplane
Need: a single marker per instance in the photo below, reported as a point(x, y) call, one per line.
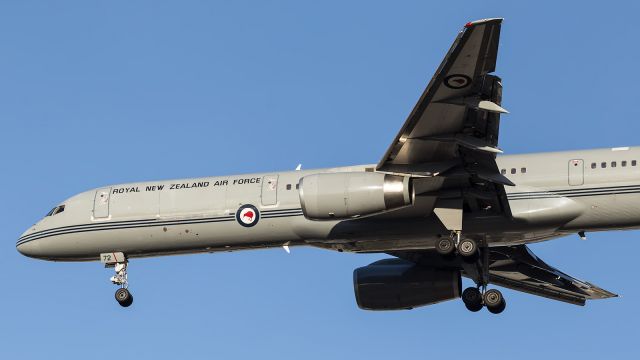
point(443, 203)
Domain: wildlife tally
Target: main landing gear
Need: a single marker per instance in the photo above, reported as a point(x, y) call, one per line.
point(467, 248)
point(475, 263)
point(474, 300)
point(119, 263)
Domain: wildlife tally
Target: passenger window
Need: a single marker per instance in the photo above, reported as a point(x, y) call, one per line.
point(594, 165)
point(297, 186)
point(614, 164)
point(523, 170)
point(513, 170)
point(624, 164)
point(633, 163)
point(503, 171)
point(288, 186)
point(603, 165)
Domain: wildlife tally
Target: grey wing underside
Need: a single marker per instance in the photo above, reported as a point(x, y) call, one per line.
point(450, 139)
point(517, 268)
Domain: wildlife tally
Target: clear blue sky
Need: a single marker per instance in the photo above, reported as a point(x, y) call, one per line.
point(101, 92)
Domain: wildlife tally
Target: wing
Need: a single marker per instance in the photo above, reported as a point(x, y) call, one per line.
point(456, 107)
point(517, 268)
point(452, 132)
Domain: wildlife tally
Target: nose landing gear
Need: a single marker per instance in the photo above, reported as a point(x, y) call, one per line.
point(119, 263)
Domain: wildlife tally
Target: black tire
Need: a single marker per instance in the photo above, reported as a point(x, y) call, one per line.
point(472, 299)
point(493, 299)
point(473, 307)
point(124, 297)
point(128, 302)
point(498, 309)
point(445, 246)
point(467, 248)
point(471, 296)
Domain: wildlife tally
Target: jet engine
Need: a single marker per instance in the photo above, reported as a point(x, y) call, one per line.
point(396, 284)
point(346, 195)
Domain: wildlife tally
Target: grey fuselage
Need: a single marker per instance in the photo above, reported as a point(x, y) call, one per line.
point(555, 194)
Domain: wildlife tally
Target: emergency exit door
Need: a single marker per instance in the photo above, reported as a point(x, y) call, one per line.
point(270, 190)
point(101, 203)
point(576, 172)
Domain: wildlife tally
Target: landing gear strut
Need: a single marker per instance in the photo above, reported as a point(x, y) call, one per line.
point(476, 265)
point(123, 296)
point(119, 263)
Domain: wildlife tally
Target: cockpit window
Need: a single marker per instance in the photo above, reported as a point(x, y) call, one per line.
point(56, 210)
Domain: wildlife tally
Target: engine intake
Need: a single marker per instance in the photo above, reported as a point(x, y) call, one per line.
point(352, 194)
point(396, 284)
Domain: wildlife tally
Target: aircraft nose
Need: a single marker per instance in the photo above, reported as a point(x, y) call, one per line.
point(28, 247)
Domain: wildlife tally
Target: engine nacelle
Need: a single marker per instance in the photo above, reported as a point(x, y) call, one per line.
point(395, 284)
point(352, 194)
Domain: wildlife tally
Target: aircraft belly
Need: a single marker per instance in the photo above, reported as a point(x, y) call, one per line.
point(384, 234)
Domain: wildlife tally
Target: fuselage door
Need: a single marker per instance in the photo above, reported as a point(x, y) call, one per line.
point(576, 172)
point(270, 190)
point(101, 203)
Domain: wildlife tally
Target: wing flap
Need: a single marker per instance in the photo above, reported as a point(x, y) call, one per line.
point(537, 290)
point(517, 268)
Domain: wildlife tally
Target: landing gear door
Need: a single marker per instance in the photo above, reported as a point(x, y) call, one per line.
point(101, 203)
point(576, 172)
point(269, 190)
